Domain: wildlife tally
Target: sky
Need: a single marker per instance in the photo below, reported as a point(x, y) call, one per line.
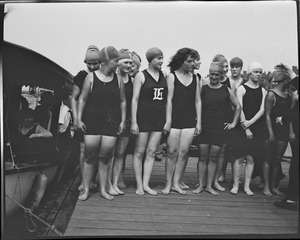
point(263, 31)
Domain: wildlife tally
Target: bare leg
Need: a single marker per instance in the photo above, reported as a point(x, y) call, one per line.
point(202, 167)
point(211, 168)
point(120, 150)
point(181, 183)
point(186, 139)
point(219, 168)
point(105, 155)
point(172, 154)
point(121, 182)
point(248, 175)
point(153, 141)
point(92, 143)
point(237, 166)
point(279, 151)
point(138, 154)
point(81, 162)
point(110, 188)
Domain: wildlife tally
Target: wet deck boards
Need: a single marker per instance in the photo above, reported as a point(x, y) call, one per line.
point(177, 215)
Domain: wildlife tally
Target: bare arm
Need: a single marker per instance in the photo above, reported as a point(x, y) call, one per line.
point(41, 132)
point(198, 106)
point(237, 110)
point(122, 105)
point(74, 102)
point(137, 84)
point(170, 82)
point(86, 88)
point(258, 115)
point(270, 100)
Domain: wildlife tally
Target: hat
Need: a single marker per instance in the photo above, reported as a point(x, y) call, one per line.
point(216, 67)
point(252, 66)
point(124, 54)
point(92, 54)
point(236, 61)
point(153, 53)
point(108, 53)
point(219, 58)
point(136, 58)
point(280, 77)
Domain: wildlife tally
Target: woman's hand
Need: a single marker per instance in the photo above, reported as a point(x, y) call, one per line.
point(81, 126)
point(229, 126)
point(134, 128)
point(167, 128)
point(245, 124)
point(249, 134)
point(122, 127)
point(198, 130)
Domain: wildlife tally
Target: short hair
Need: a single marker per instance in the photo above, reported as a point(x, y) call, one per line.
point(180, 56)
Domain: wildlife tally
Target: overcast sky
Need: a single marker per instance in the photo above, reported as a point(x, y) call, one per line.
point(264, 31)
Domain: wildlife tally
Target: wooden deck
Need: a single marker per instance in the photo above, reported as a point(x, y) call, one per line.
point(187, 215)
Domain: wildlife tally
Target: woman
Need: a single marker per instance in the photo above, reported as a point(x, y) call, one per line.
point(278, 104)
point(30, 129)
point(291, 199)
point(215, 97)
point(92, 63)
point(102, 117)
point(125, 62)
point(197, 64)
point(135, 66)
point(251, 97)
point(148, 117)
point(183, 119)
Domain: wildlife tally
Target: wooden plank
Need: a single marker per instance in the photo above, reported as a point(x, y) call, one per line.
point(181, 227)
point(206, 219)
point(176, 215)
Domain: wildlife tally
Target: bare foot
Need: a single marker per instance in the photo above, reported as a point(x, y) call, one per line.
point(211, 191)
point(276, 191)
point(93, 185)
point(166, 190)
point(178, 189)
point(198, 190)
point(150, 191)
point(248, 191)
point(182, 185)
point(219, 187)
point(122, 185)
point(234, 190)
point(80, 188)
point(139, 191)
point(106, 196)
point(84, 196)
point(112, 191)
point(221, 179)
point(118, 190)
point(267, 192)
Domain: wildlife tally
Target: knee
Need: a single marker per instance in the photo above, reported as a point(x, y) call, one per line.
point(118, 155)
point(202, 158)
point(90, 157)
point(183, 153)
point(172, 153)
point(213, 158)
point(81, 148)
point(250, 160)
point(151, 152)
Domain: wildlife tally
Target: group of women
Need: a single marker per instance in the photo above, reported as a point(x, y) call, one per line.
point(113, 103)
